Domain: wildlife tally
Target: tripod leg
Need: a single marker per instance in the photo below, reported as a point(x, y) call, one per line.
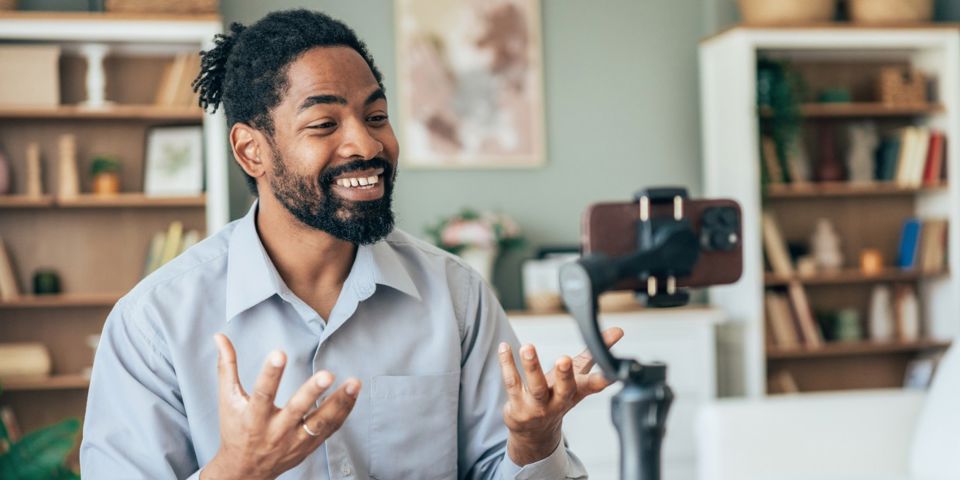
point(640, 415)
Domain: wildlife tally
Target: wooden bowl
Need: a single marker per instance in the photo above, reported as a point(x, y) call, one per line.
point(779, 12)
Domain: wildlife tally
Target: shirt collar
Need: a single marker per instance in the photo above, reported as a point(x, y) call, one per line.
point(252, 278)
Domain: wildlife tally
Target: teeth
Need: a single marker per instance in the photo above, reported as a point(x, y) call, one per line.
point(358, 182)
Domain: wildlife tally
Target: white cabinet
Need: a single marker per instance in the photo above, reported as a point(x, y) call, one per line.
point(683, 338)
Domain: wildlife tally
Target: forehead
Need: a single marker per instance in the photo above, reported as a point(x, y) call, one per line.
point(335, 70)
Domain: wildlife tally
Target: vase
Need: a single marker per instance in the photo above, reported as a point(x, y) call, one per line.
point(106, 183)
point(481, 259)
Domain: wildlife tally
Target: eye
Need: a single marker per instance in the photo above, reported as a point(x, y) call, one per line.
point(322, 125)
point(378, 119)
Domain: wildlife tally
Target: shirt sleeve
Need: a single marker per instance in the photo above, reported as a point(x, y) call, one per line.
point(482, 433)
point(135, 424)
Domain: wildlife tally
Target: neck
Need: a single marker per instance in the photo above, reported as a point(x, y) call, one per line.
point(313, 263)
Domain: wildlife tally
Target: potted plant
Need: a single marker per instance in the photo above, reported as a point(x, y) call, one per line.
point(106, 175)
point(39, 455)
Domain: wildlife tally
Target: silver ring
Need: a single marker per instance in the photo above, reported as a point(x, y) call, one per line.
point(309, 432)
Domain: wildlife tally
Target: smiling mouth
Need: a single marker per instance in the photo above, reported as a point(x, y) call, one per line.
point(362, 180)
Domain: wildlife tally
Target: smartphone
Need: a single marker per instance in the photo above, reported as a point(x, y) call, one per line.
point(611, 228)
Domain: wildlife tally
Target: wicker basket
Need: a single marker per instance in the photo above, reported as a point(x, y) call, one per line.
point(891, 11)
point(772, 12)
point(163, 6)
point(902, 86)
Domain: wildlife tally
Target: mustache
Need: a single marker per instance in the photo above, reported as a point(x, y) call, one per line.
point(331, 173)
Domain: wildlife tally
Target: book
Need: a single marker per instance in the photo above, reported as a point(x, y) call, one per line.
point(775, 246)
point(887, 156)
point(154, 253)
point(918, 158)
point(189, 239)
point(933, 245)
point(10, 424)
point(909, 239)
point(8, 279)
point(169, 84)
point(184, 95)
point(768, 151)
point(935, 156)
point(780, 321)
point(782, 382)
point(812, 337)
point(907, 139)
point(171, 243)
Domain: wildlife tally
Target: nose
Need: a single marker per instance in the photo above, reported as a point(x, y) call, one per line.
point(358, 142)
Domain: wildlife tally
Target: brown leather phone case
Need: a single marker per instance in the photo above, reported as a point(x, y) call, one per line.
point(611, 228)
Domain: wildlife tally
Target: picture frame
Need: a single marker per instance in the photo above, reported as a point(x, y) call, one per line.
point(470, 84)
point(174, 161)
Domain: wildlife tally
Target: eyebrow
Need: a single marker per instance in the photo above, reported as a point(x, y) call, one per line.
point(312, 100)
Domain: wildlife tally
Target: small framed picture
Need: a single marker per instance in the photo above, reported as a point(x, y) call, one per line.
point(174, 161)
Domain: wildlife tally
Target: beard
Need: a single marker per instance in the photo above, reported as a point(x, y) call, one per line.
point(360, 223)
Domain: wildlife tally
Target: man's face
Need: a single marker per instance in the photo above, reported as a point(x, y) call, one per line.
point(335, 153)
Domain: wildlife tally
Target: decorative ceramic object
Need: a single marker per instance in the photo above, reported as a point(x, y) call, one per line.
point(68, 180)
point(34, 185)
point(46, 282)
point(907, 313)
point(481, 259)
point(881, 315)
point(825, 244)
point(95, 53)
point(847, 326)
point(862, 142)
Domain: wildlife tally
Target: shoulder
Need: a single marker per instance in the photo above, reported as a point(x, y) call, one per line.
point(199, 268)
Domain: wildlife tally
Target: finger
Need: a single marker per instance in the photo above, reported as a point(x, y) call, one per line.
point(265, 389)
point(594, 383)
point(536, 382)
point(227, 368)
point(583, 362)
point(331, 414)
point(565, 386)
point(304, 399)
point(509, 373)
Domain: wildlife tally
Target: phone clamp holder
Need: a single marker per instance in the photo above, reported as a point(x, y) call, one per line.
point(675, 236)
point(667, 249)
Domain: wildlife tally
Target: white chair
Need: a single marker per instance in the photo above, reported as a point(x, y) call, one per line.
point(864, 435)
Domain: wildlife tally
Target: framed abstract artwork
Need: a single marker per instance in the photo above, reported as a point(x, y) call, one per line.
point(470, 83)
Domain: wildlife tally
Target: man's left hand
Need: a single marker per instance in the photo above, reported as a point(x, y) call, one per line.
point(534, 412)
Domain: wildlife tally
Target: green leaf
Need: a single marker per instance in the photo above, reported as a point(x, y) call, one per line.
point(40, 455)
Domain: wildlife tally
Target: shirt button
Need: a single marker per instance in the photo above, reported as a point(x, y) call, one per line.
point(345, 469)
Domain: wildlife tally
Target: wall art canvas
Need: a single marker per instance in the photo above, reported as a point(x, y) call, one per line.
point(470, 83)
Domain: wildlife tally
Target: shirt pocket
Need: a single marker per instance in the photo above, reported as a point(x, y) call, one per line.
point(413, 426)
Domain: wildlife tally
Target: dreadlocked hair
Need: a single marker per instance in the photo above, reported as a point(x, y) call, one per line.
point(246, 70)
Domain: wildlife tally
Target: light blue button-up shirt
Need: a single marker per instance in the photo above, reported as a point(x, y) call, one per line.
point(415, 325)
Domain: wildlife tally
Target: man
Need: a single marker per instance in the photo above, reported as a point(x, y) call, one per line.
point(313, 282)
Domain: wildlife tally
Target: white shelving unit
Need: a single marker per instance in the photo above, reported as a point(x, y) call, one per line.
point(730, 138)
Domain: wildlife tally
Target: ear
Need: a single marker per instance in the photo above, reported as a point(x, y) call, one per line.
point(250, 149)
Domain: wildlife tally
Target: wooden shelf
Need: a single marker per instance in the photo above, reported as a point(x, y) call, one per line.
point(114, 112)
point(67, 300)
point(845, 189)
point(841, 349)
point(25, 201)
point(130, 200)
point(71, 381)
point(862, 109)
point(849, 276)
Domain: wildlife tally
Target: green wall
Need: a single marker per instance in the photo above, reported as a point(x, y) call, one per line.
point(621, 113)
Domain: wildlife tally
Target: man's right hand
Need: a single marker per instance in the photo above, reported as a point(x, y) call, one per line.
point(259, 440)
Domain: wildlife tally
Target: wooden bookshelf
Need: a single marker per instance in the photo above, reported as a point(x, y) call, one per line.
point(67, 300)
point(846, 189)
point(120, 200)
point(862, 109)
point(56, 382)
point(851, 276)
point(136, 200)
point(113, 112)
point(26, 201)
point(841, 349)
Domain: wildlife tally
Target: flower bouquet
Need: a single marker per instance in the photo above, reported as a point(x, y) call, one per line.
point(477, 237)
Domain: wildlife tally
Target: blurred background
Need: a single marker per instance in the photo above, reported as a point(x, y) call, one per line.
point(832, 123)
